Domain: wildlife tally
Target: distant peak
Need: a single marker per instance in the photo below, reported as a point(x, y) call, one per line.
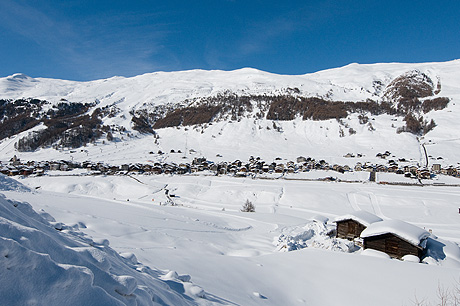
point(19, 76)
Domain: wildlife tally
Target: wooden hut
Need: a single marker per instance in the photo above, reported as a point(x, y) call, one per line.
point(351, 225)
point(395, 238)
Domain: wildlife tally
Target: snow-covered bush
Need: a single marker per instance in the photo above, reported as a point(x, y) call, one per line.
point(248, 207)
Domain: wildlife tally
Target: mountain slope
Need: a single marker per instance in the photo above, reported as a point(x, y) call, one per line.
point(243, 112)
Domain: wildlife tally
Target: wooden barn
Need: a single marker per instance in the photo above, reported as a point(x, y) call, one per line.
point(395, 238)
point(351, 225)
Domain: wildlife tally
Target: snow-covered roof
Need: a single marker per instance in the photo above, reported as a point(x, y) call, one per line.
point(404, 230)
point(363, 217)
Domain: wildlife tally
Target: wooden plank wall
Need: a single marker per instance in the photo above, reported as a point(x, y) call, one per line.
point(392, 245)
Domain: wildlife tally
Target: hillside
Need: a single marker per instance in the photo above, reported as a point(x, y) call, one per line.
point(359, 109)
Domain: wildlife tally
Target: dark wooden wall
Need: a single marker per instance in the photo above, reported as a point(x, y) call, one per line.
point(392, 245)
point(349, 229)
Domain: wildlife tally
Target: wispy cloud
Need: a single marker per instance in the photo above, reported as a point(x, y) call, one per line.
point(93, 47)
point(261, 36)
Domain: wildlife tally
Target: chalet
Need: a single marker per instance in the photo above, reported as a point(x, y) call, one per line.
point(214, 167)
point(114, 168)
point(136, 168)
point(279, 168)
point(157, 169)
point(243, 169)
point(147, 168)
point(451, 171)
point(183, 168)
point(237, 163)
point(396, 238)
point(15, 161)
point(399, 171)
point(13, 172)
point(424, 174)
point(5, 170)
point(301, 159)
point(26, 171)
point(39, 171)
point(351, 225)
point(413, 170)
point(436, 168)
point(55, 166)
point(222, 168)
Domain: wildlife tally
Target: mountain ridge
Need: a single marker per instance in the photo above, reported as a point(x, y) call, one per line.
point(131, 107)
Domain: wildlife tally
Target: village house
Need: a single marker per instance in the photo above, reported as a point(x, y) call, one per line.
point(436, 168)
point(413, 170)
point(451, 171)
point(183, 168)
point(395, 238)
point(15, 161)
point(279, 168)
point(424, 174)
point(157, 169)
point(358, 167)
point(222, 168)
point(351, 225)
point(301, 159)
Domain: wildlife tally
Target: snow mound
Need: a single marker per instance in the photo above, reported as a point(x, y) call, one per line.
point(442, 252)
point(314, 234)
point(375, 253)
point(43, 265)
point(9, 184)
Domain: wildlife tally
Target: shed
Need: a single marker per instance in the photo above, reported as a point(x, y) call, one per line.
point(351, 225)
point(396, 238)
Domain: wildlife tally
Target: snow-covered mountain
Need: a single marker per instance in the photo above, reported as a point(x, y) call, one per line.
point(235, 114)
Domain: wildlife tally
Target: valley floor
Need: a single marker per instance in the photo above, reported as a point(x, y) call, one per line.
point(234, 255)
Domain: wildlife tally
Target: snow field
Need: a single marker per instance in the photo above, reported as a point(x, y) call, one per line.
point(234, 255)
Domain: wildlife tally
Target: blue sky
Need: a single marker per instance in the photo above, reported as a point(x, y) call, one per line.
point(86, 40)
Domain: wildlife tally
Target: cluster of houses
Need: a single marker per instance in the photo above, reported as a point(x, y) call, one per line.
point(396, 238)
point(254, 166)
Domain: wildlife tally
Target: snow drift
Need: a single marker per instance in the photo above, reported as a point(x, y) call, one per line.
point(50, 264)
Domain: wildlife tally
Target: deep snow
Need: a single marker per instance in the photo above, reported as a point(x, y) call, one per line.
point(99, 239)
point(235, 257)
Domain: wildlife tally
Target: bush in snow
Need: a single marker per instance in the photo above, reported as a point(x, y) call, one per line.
point(248, 207)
